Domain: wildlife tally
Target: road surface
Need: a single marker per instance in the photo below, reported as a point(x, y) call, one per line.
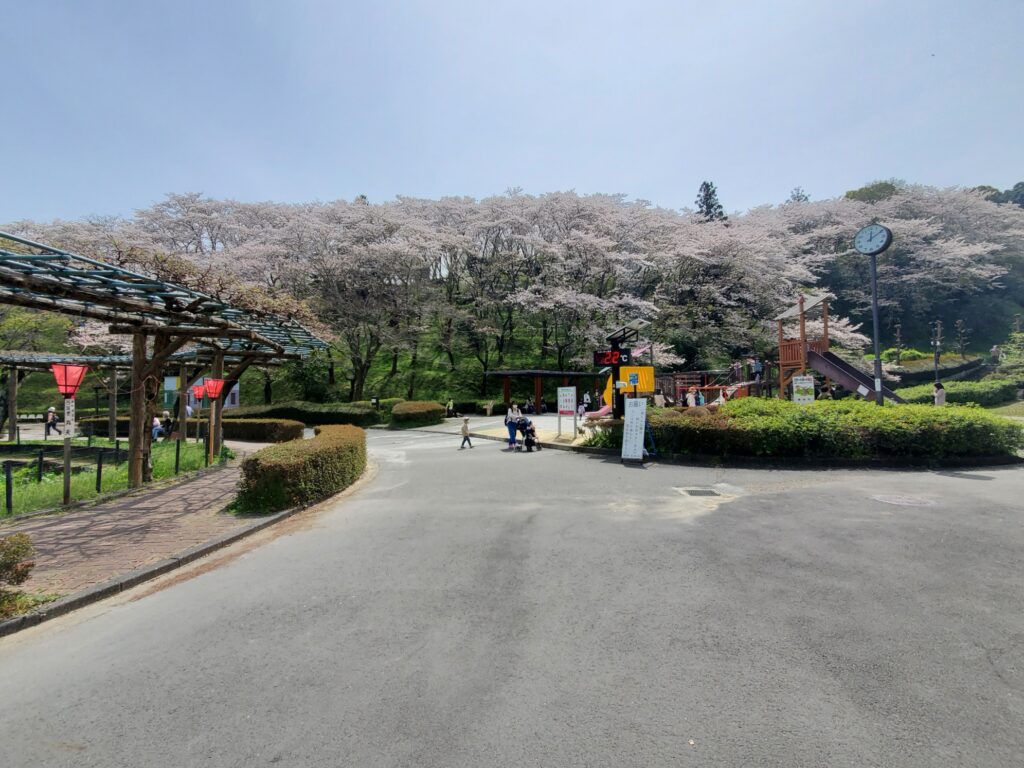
point(479, 608)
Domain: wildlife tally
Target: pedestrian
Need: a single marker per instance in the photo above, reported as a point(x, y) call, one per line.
point(51, 422)
point(157, 428)
point(757, 369)
point(586, 401)
point(691, 397)
point(450, 408)
point(465, 434)
point(512, 424)
point(167, 423)
point(997, 354)
point(188, 411)
point(581, 411)
point(939, 393)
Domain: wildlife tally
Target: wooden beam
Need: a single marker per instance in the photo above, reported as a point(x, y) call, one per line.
point(168, 347)
point(12, 404)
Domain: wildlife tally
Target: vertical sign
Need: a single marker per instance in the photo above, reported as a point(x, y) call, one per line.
point(803, 389)
point(69, 416)
point(566, 406)
point(634, 429)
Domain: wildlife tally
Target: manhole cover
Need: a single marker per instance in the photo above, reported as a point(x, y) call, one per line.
point(902, 500)
point(700, 492)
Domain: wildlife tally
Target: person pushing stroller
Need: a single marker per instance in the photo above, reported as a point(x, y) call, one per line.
point(529, 433)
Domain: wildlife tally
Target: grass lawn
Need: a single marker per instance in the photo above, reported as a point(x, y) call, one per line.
point(31, 495)
point(1013, 409)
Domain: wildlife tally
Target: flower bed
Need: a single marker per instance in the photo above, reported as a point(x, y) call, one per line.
point(302, 471)
point(837, 429)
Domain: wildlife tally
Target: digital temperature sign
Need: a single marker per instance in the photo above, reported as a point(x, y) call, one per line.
point(613, 357)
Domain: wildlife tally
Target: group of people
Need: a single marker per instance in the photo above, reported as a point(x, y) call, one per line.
point(516, 423)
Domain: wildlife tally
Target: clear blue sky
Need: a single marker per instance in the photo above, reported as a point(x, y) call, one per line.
point(109, 105)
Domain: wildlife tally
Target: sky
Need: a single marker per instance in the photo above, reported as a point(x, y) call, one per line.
point(111, 104)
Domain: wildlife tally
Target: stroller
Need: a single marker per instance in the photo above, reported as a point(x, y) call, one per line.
point(529, 433)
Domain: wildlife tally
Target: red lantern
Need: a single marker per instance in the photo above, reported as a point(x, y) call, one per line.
point(199, 392)
point(214, 387)
point(69, 377)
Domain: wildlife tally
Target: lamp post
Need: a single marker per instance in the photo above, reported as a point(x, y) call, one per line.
point(198, 392)
point(213, 389)
point(69, 379)
point(871, 241)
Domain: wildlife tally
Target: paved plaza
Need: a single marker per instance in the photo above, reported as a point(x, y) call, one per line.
point(476, 608)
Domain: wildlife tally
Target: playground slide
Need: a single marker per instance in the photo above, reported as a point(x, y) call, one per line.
point(842, 372)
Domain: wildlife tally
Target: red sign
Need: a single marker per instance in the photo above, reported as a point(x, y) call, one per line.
point(613, 357)
point(69, 377)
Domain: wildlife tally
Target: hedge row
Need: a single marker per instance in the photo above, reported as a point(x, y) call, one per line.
point(987, 393)
point(415, 413)
point(831, 429)
point(256, 430)
point(313, 414)
point(302, 471)
point(385, 404)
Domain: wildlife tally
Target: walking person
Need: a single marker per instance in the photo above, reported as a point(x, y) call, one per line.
point(51, 422)
point(586, 401)
point(512, 424)
point(465, 434)
point(939, 393)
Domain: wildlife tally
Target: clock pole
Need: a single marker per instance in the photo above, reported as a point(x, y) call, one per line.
point(874, 317)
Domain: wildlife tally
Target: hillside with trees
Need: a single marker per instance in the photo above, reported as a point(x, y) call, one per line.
point(421, 297)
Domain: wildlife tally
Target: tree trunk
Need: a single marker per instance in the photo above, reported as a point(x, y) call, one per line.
point(412, 370)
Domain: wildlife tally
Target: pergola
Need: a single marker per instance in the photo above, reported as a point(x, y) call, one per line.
point(538, 376)
point(162, 318)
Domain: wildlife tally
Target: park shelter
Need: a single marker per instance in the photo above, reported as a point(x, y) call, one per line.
point(569, 378)
point(164, 320)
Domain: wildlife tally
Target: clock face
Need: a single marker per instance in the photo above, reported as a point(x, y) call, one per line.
point(873, 239)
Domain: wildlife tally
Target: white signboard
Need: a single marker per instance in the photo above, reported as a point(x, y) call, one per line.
point(803, 389)
point(566, 407)
point(69, 417)
point(634, 429)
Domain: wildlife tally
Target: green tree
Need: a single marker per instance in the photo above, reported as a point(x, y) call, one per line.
point(708, 206)
point(875, 191)
point(798, 196)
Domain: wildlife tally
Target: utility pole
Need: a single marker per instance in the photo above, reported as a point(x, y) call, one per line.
point(937, 344)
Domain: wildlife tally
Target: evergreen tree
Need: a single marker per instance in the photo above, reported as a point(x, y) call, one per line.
point(798, 196)
point(708, 207)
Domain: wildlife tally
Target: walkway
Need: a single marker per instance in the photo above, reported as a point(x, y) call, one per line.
point(86, 547)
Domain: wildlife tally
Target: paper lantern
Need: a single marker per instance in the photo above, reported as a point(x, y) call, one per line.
point(214, 387)
point(198, 391)
point(69, 377)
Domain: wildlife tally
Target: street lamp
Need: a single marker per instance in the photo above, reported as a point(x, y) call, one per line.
point(69, 379)
point(871, 241)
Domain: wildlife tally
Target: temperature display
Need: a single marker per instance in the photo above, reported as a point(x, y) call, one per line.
point(613, 357)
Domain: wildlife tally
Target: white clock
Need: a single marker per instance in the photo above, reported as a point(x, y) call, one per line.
point(873, 239)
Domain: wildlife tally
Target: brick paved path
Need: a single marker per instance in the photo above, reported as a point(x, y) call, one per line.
point(83, 548)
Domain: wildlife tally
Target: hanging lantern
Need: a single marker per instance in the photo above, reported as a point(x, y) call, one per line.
point(214, 387)
point(199, 392)
point(69, 377)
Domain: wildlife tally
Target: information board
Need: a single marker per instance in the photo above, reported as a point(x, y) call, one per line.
point(803, 389)
point(69, 417)
point(567, 407)
point(634, 429)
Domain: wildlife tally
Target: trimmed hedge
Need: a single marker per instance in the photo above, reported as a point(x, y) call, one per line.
point(831, 429)
point(256, 430)
point(386, 404)
point(313, 414)
point(987, 393)
point(416, 413)
point(302, 471)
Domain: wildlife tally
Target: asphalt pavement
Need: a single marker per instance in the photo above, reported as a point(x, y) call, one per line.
point(483, 608)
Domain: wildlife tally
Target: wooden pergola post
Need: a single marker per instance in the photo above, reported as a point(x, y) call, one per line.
point(112, 406)
point(216, 407)
point(538, 394)
point(12, 404)
point(183, 402)
point(137, 413)
point(506, 389)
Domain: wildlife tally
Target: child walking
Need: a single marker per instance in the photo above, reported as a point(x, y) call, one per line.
point(465, 435)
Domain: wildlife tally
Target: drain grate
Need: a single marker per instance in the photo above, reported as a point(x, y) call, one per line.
point(701, 492)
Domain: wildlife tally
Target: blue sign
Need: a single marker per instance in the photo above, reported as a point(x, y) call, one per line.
point(634, 379)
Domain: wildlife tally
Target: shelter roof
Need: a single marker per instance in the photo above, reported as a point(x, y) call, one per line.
point(811, 301)
point(543, 373)
point(43, 277)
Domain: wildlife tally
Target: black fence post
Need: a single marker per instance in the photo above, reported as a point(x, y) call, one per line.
point(99, 471)
point(177, 455)
point(17, 433)
point(39, 471)
point(206, 449)
point(117, 452)
point(8, 488)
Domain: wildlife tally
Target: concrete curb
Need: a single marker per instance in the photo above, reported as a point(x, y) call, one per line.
point(134, 578)
point(795, 462)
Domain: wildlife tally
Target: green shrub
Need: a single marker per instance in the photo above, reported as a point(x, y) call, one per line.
point(312, 414)
point(416, 413)
point(16, 565)
point(987, 393)
point(833, 429)
point(263, 430)
point(908, 354)
point(302, 471)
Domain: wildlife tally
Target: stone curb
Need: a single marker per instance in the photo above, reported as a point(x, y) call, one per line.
point(795, 462)
point(134, 578)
